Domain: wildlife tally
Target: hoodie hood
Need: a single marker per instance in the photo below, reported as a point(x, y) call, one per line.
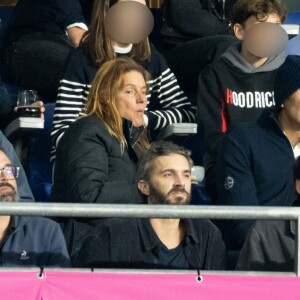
point(233, 55)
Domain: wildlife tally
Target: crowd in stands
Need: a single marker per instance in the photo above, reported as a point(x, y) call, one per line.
point(166, 101)
point(112, 98)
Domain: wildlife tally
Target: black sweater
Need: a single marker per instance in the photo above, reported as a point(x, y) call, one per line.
point(255, 167)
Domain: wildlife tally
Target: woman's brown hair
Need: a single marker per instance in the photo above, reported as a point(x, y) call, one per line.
point(107, 83)
point(99, 43)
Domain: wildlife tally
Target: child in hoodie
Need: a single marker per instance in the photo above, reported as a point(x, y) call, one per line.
point(238, 86)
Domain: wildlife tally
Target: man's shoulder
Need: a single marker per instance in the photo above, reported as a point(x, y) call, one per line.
point(37, 222)
point(270, 227)
point(241, 130)
point(255, 129)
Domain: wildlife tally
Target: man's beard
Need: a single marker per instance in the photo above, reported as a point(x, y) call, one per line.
point(156, 197)
point(11, 196)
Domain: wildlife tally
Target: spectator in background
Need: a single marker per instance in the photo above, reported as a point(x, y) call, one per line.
point(39, 38)
point(157, 243)
point(97, 155)
point(200, 28)
point(196, 18)
point(270, 245)
point(166, 101)
point(237, 87)
point(256, 159)
point(27, 241)
point(25, 193)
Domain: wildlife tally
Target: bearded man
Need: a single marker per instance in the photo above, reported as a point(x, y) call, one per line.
point(27, 241)
point(164, 177)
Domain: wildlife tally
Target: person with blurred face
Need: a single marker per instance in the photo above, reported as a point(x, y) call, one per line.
point(110, 36)
point(237, 87)
point(27, 241)
point(164, 178)
point(255, 165)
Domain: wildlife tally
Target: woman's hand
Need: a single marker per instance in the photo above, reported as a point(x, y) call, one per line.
point(40, 104)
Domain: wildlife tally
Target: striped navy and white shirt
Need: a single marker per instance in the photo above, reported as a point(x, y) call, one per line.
point(167, 102)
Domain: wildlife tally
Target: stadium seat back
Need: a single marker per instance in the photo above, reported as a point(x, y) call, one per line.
point(38, 169)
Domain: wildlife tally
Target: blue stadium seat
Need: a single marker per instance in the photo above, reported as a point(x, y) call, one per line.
point(293, 47)
point(293, 18)
point(38, 169)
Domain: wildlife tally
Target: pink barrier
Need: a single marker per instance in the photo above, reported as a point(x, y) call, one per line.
point(20, 285)
point(81, 285)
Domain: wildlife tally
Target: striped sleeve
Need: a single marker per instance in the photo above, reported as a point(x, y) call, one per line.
point(71, 99)
point(167, 103)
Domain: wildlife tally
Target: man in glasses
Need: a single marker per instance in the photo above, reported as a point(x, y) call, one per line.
point(27, 241)
point(23, 186)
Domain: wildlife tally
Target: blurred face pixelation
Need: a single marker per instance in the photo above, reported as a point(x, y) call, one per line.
point(170, 181)
point(262, 38)
point(129, 21)
point(131, 99)
point(8, 184)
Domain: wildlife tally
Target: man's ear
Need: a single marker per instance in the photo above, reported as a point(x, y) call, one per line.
point(144, 187)
point(238, 31)
point(298, 186)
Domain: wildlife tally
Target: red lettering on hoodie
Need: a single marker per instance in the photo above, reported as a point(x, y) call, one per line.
point(229, 99)
point(223, 117)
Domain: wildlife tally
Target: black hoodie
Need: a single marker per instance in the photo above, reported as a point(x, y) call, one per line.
point(230, 91)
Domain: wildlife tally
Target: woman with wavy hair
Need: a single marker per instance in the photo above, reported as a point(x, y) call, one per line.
point(166, 101)
point(97, 156)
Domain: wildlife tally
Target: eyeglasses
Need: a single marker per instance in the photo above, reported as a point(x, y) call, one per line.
point(10, 171)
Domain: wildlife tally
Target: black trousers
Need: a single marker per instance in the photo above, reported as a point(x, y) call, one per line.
point(36, 61)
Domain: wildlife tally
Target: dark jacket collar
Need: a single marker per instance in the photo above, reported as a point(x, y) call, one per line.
point(269, 120)
point(134, 151)
point(150, 240)
point(16, 221)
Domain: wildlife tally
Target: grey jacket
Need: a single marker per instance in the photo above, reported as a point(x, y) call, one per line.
point(34, 242)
